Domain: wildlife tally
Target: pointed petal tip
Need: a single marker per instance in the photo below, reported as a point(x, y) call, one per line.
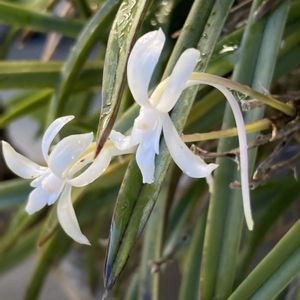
point(250, 224)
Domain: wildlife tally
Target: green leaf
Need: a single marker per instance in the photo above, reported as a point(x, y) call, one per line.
point(148, 281)
point(20, 250)
point(136, 200)
point(37, 75)
point(87, 39)
point(13, 192)
point(275, 271)
point(24, 105)
point(180, 214)
point(281, 194)
point(260, 46)
point(189, 288)
point(26, 18)
point(121, 39)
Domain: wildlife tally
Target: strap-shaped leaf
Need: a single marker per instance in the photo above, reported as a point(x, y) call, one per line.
point(37, 74)
point(121, 39)
point(25, 18)
point(285, 255)
point(224, 230)
point(135, 200)
point(87, 39)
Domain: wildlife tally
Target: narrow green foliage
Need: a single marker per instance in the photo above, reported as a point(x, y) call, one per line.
point(120, 42)
point(21, 17)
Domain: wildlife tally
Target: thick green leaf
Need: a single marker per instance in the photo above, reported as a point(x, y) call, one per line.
point(136, 200)
point(121, 39)
point(26, 18)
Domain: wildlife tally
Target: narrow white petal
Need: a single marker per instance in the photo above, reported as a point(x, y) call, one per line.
point(97, 167)
point(51, 133)
point(38, 198)
point(67, 218)
point(141, 63)
point(242, 137)
point(179, 76)
point(187, 161)
point(67, 151)
point(19, 164)
point(145, 158)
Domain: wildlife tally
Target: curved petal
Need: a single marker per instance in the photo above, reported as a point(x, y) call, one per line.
point(67, 151)
point(187, 161)
point(98, 166)
point(51, 133)
point(141, 63)
point(242, 137)
point(19, 164)
point(67, 218)
point(179, 76)
point(38, 198)
point(145, 158)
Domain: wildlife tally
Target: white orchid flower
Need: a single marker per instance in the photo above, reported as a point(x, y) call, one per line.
point(67, 159)
point(154, 116)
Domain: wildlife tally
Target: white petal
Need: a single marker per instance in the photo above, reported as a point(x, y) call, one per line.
point(52, 184)
point(141, 63)
point(19, 164)
point(187, 161)
point(242, 137)
point(176, 84)
point(51, 133)
point(98, 166)
point(145, 158)
point(67, 151)
point(38, 198)
point(67, 218)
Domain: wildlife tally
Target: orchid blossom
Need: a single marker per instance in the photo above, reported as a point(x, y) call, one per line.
point(67, 159)
point(154, 119)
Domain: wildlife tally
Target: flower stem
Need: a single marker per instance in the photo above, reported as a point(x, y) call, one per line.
point(257, 126)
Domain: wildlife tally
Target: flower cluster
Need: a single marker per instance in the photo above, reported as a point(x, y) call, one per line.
point(71, 162)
